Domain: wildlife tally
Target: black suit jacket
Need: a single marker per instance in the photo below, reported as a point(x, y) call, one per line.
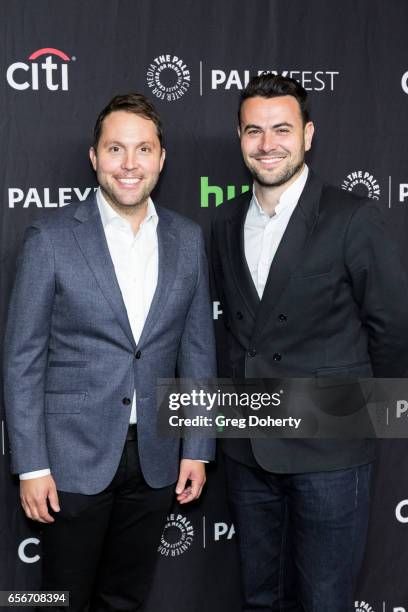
point(334, 305)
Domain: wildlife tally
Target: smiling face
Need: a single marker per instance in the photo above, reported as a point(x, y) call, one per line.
point(128, 160)
point(274, 139)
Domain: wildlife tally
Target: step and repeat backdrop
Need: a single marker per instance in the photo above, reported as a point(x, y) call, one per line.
point(60, 63)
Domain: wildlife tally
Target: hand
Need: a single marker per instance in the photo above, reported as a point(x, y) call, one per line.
point(195, 472)
point(34, 494)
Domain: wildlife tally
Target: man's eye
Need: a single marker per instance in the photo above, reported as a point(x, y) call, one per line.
point(114, 149)
point(253, 132)
point(145, 149)
point(283, 130)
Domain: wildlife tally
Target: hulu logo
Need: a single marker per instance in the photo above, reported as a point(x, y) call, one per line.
point(218, 192)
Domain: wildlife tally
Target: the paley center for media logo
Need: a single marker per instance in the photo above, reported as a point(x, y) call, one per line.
point(168, 77)
point(179, 533)
point(45, 68)
point(362, 182)
point(363, 606)
point(404, 82)
point(177, 536)
point(365, 184)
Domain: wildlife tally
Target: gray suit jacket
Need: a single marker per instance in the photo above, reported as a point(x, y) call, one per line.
point(71, 362)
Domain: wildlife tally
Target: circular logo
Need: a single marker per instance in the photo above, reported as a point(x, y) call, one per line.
point(399, 514)
point(404, 82)
point(363, 183)
point(168, 77)
point(177, 536)
point(363, 606)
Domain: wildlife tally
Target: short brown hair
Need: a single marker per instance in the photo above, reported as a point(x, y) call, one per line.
point(131, 103)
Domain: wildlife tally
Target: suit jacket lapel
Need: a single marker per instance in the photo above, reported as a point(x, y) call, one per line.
point(236, 253)
point(90, 236)
point(289, 253)
point(167, 237)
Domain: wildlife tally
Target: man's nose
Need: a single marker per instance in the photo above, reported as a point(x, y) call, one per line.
point(129, 161)
point(268, 141)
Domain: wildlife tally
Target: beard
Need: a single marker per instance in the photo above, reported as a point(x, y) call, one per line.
point(127, 203)
point(279, 179)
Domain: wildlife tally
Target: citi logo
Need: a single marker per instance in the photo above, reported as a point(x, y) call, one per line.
point(44, 72)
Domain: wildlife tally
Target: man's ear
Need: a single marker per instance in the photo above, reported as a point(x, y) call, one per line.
point(92, 157)
point(162, 158)
point(308, 132)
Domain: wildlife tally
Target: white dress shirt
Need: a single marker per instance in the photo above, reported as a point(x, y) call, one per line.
point(135, 258)
point(262, 233)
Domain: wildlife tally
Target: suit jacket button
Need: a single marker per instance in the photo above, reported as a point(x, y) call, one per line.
point(126, 401)
point(277, 356)
point(138, 354)
point(282, 318)
point(240, 315)
point(251, 353)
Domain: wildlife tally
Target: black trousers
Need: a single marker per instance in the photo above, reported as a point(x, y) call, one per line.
point(103, 548)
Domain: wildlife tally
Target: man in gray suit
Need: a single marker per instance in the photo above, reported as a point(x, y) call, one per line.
point(110, 295)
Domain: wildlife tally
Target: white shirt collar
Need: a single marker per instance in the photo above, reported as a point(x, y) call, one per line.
point(289, 197)
point(109, 215)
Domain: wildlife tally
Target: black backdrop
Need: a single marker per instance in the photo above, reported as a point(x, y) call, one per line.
point(60, 62)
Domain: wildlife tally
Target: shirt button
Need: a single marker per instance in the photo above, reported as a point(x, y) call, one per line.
point(277, 356)
point(138, 354)
point(282, 318)
point(251, 353)
point(126, 401)
point(240, 315)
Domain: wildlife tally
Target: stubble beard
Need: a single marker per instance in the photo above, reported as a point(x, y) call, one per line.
point(132, 207)
point(284, 177)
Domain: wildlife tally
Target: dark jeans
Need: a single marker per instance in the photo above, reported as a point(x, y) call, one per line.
point(103, 548)
point(301, 536)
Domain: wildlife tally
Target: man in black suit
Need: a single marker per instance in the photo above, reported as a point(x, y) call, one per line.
point(310, 286)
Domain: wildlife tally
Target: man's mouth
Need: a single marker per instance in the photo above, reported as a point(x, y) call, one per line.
point(129, 181)
point(270, 160)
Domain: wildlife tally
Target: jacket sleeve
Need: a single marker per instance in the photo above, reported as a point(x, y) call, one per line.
point(25, 352)
point(380, 289)
point(196, 356)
